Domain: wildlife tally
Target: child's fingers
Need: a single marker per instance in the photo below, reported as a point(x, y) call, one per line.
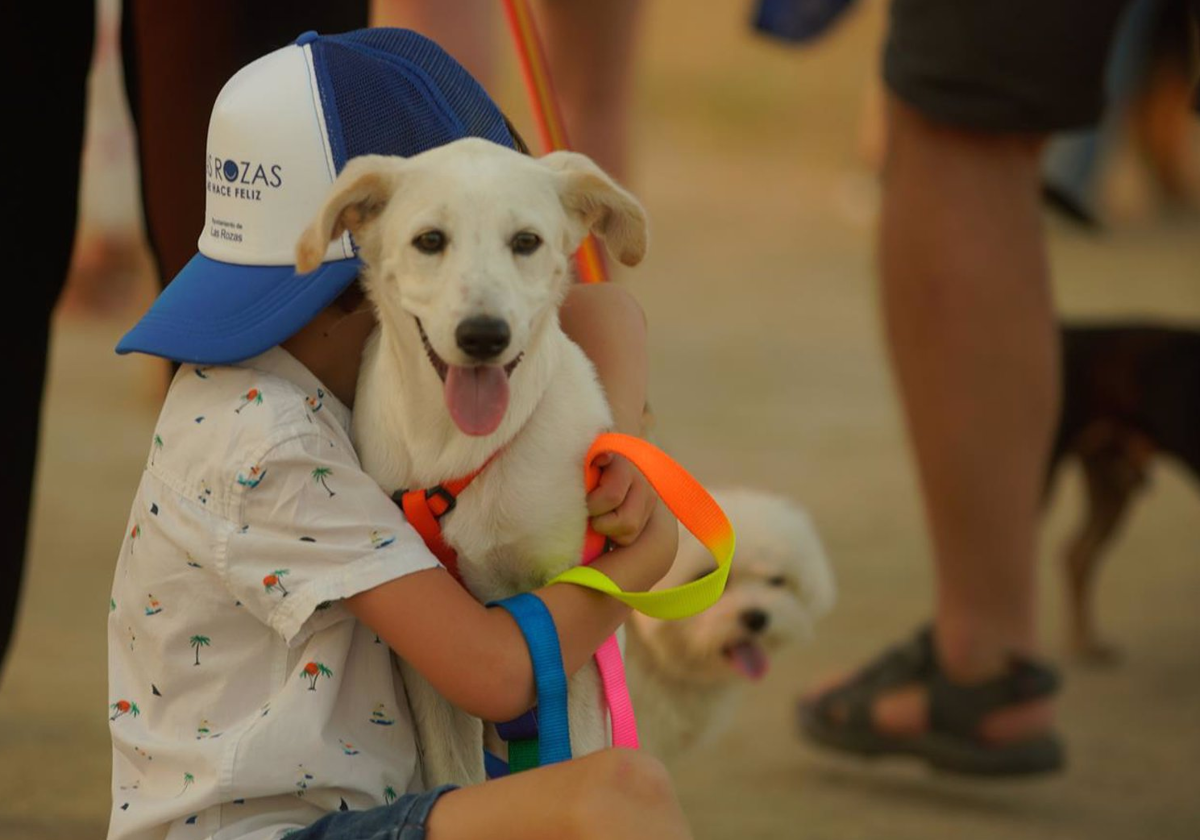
point(615, 480)
point(625, 524)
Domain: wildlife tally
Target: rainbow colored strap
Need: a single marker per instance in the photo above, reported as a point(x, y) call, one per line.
point(695, 510)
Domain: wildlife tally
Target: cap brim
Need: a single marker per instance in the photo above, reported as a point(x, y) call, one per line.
point(216, 313)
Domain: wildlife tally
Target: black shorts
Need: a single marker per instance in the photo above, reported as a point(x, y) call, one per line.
point(1002, 65)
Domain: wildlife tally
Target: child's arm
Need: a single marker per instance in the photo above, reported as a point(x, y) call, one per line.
point(476, 657)
point(608, 324)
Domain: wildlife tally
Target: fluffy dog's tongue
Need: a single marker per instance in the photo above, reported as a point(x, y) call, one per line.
point(749, 659)
point(477, 397)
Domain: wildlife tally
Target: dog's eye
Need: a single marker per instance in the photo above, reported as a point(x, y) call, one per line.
point(777, 580)
point(430, 242)
point(525, 243)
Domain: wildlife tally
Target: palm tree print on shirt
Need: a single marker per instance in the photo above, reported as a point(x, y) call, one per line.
point(188, 781)
point(274, 581)
point(389, 795)
point(251, 397)
point(154, 450)
point(124, 707)
point(314, 670)
point(319, 475)
point(198, 642)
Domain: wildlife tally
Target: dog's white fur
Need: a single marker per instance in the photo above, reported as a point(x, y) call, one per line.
point(683, 684)
point(523, 519)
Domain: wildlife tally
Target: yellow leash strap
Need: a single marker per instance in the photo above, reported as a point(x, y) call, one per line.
point(695, 510)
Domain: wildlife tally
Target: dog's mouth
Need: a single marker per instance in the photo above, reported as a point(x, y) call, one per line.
point(748, 658)
point(476, 395)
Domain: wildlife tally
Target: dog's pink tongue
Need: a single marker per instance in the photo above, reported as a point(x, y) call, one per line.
point(477, 397)
point(749, 659)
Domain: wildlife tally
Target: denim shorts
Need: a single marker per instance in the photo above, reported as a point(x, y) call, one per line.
point(403, 819)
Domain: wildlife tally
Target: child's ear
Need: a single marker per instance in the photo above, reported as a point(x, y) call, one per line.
point(359, 194)
point(600, 205)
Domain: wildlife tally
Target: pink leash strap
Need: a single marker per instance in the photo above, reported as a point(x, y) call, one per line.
point(612, 669)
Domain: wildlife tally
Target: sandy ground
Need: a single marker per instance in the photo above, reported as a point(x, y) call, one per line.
point(767, 369)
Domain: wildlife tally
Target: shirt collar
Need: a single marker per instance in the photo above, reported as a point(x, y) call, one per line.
point(281, 363)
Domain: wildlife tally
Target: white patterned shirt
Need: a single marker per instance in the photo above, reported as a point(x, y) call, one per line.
point(245, 700)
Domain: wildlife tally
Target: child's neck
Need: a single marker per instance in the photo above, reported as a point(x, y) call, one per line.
point(331, 345)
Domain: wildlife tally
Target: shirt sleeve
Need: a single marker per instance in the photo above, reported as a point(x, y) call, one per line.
point(314, 529)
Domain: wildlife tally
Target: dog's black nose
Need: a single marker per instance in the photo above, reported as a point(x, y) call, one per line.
point(482, 337)
point(754, 620)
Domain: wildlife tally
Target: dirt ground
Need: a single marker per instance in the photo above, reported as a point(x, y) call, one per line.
point(767, 369)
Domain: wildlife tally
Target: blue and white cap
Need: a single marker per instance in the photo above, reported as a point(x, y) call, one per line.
point(280, 131)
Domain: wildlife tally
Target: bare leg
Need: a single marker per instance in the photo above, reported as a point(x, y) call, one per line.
point(590, 48)
point(614, 793)
point(970, 326)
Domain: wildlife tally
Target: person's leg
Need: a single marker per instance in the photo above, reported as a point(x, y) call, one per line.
point(590, 50)
point(971, 330)
point(614, 793)
point(55, 49)
point(974, 89)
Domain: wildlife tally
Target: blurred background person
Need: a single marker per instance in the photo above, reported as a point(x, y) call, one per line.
point(973, 93)
point(175, 59)
point(1150, 96)
point(590, 49)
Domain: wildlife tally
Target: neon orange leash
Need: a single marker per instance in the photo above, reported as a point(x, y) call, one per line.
point(547, 116)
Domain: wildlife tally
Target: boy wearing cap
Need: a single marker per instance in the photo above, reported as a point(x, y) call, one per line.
point(251, 694)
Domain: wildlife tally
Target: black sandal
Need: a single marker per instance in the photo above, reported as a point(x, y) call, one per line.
point(841, 717)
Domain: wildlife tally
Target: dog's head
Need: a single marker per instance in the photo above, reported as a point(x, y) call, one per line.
point(470, 243)
point(779, 585)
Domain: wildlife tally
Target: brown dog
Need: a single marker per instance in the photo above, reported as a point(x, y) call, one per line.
point(1130, 391)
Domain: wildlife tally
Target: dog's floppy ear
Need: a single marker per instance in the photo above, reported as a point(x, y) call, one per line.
point(358, 195)
point(604, 208)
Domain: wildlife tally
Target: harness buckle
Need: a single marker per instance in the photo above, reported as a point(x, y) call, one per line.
point(445, 495)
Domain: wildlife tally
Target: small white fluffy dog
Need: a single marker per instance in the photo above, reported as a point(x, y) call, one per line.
point(687, 676)
point(467, 250)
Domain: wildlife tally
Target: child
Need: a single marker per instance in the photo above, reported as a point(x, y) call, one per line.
point(265, 576)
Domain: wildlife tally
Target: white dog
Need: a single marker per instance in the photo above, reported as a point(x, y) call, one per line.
point(686, 676)
point(467, 250)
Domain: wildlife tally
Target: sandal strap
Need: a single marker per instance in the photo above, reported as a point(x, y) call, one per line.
point(959, 709)
point(911, 661)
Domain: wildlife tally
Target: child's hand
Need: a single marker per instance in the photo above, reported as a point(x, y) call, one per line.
point(640, 565)
point(622, 502)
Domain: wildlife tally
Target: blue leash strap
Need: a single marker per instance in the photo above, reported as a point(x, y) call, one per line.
point(541, 636)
